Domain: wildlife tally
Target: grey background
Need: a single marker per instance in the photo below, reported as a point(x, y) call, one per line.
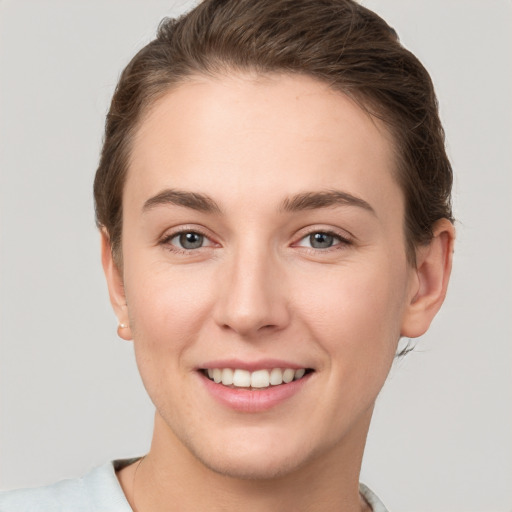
point(70, 396)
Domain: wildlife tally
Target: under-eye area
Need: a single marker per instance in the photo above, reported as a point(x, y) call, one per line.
point(259, 379)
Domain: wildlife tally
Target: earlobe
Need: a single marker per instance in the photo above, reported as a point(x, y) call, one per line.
point(428, 291)
point(115, 285)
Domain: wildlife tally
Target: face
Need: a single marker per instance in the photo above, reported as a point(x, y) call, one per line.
point(262, 242)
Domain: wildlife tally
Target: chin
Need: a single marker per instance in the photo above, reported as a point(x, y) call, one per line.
point(253, 457)
point(246, 468)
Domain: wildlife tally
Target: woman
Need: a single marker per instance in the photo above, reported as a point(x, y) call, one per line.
point(273, 197)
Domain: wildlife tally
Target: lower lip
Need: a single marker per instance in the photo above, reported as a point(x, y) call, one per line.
point(253, 400)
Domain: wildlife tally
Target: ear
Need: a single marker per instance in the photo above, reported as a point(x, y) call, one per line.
point(428, 288)
point(115, 287)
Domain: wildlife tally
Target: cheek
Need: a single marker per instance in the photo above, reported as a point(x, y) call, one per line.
point(167, 309)
point(355, 313)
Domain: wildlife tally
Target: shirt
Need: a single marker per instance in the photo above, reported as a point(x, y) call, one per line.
point(97, 491)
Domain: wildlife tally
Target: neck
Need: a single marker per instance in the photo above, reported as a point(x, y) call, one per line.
point(170, 478)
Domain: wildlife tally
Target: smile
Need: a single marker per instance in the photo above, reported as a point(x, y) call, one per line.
point(259, 379)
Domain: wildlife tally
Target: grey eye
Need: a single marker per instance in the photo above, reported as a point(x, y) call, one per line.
point(321, 240)
point(189, 240)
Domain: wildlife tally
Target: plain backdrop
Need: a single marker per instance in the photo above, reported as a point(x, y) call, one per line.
point(71, 397)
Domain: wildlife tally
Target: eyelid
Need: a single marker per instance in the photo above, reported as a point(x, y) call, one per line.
point(206, 241)
point(170, 234)
point(343, 236)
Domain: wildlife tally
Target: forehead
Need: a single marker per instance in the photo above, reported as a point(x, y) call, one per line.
point(271, 134)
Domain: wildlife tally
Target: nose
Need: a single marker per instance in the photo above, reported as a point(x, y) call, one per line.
point(252, 295)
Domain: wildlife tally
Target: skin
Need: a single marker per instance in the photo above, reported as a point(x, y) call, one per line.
point(258, 289)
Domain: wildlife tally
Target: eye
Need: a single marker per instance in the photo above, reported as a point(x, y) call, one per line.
point(189, 240)
point(322, 240)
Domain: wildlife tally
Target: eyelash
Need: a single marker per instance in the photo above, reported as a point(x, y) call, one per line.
point(341, 241)
point(166, 241)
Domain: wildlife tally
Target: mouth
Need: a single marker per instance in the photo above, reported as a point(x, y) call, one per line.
point(237, 378)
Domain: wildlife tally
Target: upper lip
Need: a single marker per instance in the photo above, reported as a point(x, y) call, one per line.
point(251, 366)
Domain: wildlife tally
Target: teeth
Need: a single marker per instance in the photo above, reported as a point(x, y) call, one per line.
point(288, 375)
point(260, 379)
point(227, 376)
point(276, 377)
point(217, 375)
point(241, 378)
point(257, 379)
point(299, 373)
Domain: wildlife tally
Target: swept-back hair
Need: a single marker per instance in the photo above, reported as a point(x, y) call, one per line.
point(338, 42)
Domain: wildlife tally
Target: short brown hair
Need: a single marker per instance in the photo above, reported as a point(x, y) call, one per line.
point(338, 42)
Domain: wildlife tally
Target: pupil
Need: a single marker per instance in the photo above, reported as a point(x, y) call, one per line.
point(191, 240)
point(321, 240)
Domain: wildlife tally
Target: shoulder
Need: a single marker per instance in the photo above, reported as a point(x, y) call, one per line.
point(371, 498)
point(99, 490)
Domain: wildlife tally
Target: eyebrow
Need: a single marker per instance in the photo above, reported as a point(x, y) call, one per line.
point(325, 199)
point(193, 200)
point(298, 202)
